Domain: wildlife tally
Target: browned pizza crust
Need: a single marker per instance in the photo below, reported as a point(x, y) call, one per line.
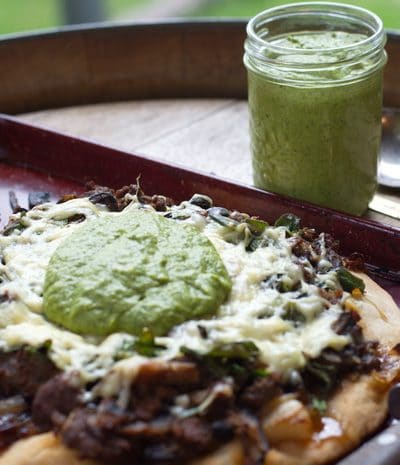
point(358, 407)
point(380, 316)
point(351, 406)
point(43, 449)
point(46, 449)
point(355, 411)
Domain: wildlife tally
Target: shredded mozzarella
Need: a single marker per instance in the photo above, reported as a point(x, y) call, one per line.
point(253, 312)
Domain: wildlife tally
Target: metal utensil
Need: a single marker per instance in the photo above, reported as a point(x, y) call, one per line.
point(383, 449)
point(385, 206)
point(389, 164)
point(394, 401)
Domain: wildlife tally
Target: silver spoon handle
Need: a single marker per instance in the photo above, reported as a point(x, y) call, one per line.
point(385, 206)
point(383, 449)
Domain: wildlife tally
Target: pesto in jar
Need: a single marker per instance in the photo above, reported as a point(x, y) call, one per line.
point(315, 99)
point(132, 272)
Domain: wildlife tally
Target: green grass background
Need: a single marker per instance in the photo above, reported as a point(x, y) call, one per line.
point(388, 10)
point(26, 15)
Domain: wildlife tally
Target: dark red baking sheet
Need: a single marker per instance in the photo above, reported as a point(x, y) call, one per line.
point(33, 158)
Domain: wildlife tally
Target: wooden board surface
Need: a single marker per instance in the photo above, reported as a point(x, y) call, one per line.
point(205, 134)
point(201, 61)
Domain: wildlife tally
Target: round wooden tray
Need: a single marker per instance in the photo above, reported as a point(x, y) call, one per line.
point(105, 63)
point(180, 87)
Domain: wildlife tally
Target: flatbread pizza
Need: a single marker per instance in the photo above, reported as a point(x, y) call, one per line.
point(137, 331)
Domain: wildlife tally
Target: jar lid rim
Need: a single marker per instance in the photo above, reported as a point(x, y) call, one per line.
point(313, 8)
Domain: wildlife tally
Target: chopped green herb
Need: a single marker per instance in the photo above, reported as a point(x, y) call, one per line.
point(146, 345)
point(143, 345)
point(281, 283)
point(319, 405)
point(245, 350)
point(256, 243)
point(293, 313)
point(256, 226)
point(235, 359)
point(289, 221)
point(47, 345)
point(294, 40)
point(348, 281)
point(43, 349)
point(324, 373)
point(261, 373)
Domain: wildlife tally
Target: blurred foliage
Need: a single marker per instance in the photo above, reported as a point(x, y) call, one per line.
point(19, 15)
point(117, 7)
point(388, 10)
point(27, 15)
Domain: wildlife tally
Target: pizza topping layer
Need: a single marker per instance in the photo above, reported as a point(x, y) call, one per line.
point(22, 372)
point(128, 272)
point(280, 298)
point(281, 341)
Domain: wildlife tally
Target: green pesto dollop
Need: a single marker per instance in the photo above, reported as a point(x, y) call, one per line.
point(317, 141)
point(131, 271)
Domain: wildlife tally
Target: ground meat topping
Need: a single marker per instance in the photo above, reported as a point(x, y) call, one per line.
point(254, 395)
point(55, 399)
point(175, 412)
point(15, 420)
point(23, 372)
point(117, 200)
point(189, 406)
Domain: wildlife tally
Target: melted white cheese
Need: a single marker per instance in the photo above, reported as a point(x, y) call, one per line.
point(254, 311)
point(283, 346)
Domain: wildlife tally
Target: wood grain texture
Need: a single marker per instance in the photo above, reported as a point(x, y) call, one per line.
point(131, 61)
point(210, 135)
point(150, 68)
point(129, 125)
point(391, 86)
point(102, 63)
point(79, 160)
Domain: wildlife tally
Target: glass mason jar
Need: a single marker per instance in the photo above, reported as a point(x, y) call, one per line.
point(315, 74)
